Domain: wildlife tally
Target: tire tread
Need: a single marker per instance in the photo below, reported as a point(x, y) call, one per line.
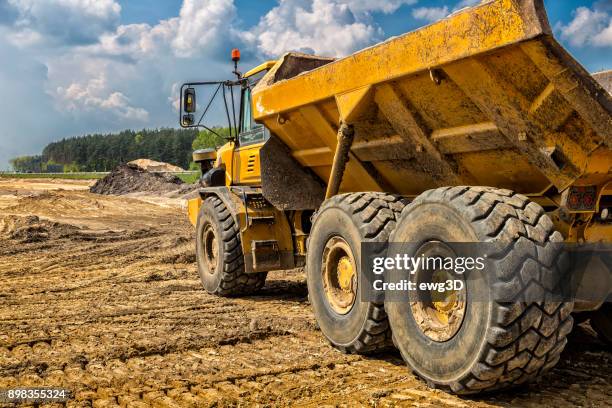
point(526, 338)
point(375, 214)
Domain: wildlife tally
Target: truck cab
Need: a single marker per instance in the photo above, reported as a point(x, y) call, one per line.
point(238, 159)
point(231, 175)
point(251, 135)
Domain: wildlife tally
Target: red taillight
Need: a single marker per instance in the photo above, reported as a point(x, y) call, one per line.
point(574, 201)
point(583, 198)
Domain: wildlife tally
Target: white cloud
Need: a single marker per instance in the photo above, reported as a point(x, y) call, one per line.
point(94, 95)
point(604, 37)
point(136, 40)
point(175, 98)
point(24, 131)
point(67, 21)
point(136, 62)
point(589, 27)
point(25, 38)
point(383, 6)
point(430, 13)
point(201, 23)
point(200, 27)
point(325, 27)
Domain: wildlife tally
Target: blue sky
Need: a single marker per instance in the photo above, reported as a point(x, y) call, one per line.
point(70, 67)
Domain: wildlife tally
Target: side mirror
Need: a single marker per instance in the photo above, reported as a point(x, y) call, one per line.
point(189, 100)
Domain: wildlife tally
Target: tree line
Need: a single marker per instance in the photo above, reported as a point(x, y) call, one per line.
point(104, 152)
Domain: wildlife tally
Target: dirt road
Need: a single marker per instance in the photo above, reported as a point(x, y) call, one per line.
point(100, 295)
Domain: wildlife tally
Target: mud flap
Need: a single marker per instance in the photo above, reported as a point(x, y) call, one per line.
point(266, 256)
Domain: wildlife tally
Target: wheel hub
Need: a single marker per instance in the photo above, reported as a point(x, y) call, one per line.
point(211, 249)
point(345, 273)
point(439, 314)
point(339, 275)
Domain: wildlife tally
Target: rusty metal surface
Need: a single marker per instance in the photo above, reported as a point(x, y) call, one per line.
point(346, 134)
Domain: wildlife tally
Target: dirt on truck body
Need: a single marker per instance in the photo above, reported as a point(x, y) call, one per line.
point(113, 309)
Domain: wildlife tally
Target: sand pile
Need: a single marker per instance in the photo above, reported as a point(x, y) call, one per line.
point(152, 165)
point(130, 178)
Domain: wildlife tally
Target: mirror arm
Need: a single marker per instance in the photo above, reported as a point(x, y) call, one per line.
point(233, 127)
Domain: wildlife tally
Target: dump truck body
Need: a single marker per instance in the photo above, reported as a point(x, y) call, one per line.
point(484, 97)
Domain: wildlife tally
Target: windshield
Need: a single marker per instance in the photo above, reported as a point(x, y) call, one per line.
point(250, 132)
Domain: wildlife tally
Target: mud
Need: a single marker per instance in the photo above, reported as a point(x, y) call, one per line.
point(130, 178)
point(111, 307)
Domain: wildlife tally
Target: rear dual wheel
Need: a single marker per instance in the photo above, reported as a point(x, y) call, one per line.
point(468, 345)
point(333, 269)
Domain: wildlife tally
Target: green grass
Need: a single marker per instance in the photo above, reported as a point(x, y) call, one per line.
point(64, 176)
point(189, 178)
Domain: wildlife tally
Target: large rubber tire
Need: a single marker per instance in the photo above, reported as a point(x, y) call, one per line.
point(356, 218)
point(601, 322)
point(498, 345)
point(225, 274)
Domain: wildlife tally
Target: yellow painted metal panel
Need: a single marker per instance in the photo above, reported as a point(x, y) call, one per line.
point(449, 104)
point(247, 165)
point(263, 67)
point(193, 209)
point(353, 104)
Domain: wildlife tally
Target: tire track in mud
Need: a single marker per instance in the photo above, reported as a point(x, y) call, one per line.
point(122, 320)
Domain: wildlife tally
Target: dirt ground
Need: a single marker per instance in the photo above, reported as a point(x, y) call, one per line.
point(100, 294)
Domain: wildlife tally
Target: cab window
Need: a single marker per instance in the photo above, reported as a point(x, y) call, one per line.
point(250, 132)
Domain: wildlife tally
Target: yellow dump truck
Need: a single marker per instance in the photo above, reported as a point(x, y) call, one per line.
point(477, 128)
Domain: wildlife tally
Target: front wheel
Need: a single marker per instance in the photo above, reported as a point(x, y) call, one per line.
point(219, 253)
point(463, 342)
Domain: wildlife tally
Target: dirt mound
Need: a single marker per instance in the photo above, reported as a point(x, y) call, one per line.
point(33, 229)
point(152, 165)
point(130, 178)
